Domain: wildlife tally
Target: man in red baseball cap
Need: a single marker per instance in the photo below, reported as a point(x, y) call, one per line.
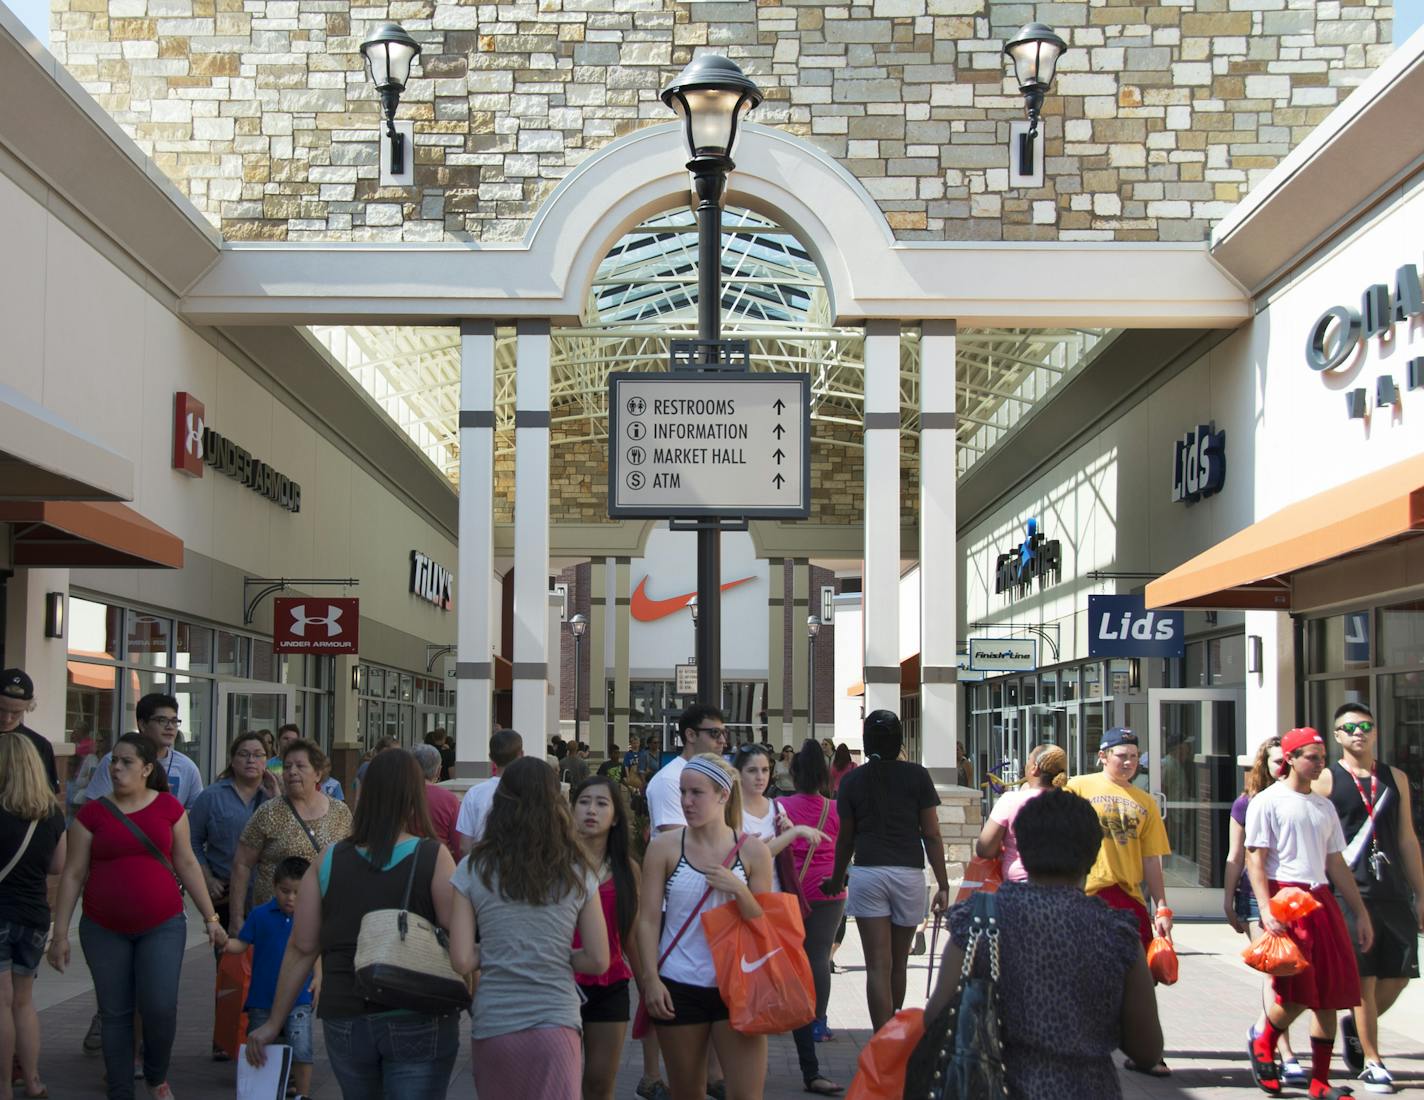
point(1293, 838)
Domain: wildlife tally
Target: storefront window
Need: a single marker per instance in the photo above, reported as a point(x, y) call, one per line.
point(1401, 718)
point(193, 648)
point(140, 682)
point(264, 665)
point(195, 707)
point(232, 655)
point(1401, 636)
point(92, 700)
point(94, 629)
point(1226, 659)
point(149, 637)
point(1339, 643)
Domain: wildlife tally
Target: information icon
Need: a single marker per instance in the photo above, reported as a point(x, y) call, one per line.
point(636, 455)
point(635, 479)
point(637, 429)
point(637, 406)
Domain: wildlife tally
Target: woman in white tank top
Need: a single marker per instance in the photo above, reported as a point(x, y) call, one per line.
point(679, 981)
point(759, 813)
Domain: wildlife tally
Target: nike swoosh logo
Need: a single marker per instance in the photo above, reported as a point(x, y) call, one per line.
point(748, 968)
point(646, 609)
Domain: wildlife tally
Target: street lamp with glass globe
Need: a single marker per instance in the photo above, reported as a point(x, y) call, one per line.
point(389, 53)
point(1035, 51)
point(578, 627)
point(813, 627)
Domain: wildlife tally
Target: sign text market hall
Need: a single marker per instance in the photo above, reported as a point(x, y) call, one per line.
point(689, 443)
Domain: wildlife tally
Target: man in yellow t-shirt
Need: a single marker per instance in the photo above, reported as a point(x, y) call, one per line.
point(1134, 838)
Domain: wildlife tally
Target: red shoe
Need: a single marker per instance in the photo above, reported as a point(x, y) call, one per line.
point(1264, 1070)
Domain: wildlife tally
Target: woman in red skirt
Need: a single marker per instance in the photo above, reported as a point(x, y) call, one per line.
point(1293, 838)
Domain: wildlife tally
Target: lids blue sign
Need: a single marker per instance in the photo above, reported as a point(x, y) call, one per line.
point(1121, 626)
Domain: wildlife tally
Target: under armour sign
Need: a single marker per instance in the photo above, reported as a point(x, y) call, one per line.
point(1199, 464)
point(188, 426)
point(196, 444)
point(316, 625)
point(1121, 626)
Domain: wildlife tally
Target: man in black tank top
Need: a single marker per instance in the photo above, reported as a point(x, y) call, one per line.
point(1372, 800)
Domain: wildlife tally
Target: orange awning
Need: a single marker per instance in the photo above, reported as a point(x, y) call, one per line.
point(1253, 568)
point(80, 533)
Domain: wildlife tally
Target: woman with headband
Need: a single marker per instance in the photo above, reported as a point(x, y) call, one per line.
point(693, 871)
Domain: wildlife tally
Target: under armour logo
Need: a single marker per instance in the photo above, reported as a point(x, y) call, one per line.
point(193, 436)
point(301, 620)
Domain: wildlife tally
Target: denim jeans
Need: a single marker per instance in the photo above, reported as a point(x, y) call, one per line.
point(139, 971)
point(392, 1057)
point(821, 928)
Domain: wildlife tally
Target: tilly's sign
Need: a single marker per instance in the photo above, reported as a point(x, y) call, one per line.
point(1340, 331)
point(1034, 558)
point(1121, 626)
point(430, 580)
point(1198, 464)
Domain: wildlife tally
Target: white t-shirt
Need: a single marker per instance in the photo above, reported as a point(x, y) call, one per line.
point(664, 795)
point(185, 782)
point(475, 809)
point(1298, 832)
point(764, 828)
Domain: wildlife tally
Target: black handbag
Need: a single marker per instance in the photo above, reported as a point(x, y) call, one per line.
point(961, 1056)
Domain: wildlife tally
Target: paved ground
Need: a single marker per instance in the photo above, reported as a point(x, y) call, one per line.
point(1204, 1016)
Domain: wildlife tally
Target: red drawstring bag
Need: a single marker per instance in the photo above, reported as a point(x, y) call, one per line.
point(1162, 961)
point(229, 994)
point(1291, 903)
point(880, 1072)
point(980, 874)
point(762, 969)
point(1276, 955)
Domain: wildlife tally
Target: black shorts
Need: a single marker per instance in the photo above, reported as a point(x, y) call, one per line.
point(1395, 952)
point(605, 1004)
point(694, 1004)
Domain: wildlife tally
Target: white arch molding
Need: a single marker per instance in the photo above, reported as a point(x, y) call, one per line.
point(868, 273)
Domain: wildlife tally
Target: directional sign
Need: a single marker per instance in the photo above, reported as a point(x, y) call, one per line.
point(690, 443)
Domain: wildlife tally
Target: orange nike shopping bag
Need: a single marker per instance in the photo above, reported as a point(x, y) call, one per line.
point(762, 969)
point(880, 1071)
point(229, 1021)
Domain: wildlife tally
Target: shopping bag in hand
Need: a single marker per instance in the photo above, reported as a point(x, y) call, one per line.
point(880, 1072)
point(980, 874)
point(1291, 903)
point(1162, 961)
point(230, 994)
point(762, 969)
point(1276, 955)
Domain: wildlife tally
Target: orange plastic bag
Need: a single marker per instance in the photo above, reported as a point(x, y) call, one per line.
point(229, 995)
point(1162, 961)
point(880, 1073)
point(1276, 955)
point(762, 969)
point(1291, 903)
point(980, 874)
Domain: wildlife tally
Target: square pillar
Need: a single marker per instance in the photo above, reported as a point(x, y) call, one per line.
point(800, 650)
point(622, 600)
point(775, 646)
point(531, 532)
point(474, 611)
point(881, 585)
point(597, 647)
point(939, 596)
point(45, 660)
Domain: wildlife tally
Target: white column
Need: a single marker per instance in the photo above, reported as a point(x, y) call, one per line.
point(43, 659)
point(474, 612)
point(596, 646)
point(1270, 691)
point(800, 650)
point(531, 531)
point(939, 597)
point(881, 585)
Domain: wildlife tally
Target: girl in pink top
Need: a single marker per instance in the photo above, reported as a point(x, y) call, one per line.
point(842, 764)
point(1047, 768)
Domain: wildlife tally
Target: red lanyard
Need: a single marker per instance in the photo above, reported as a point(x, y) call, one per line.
point(1374, 790)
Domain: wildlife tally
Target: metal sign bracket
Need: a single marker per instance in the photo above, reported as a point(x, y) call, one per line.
point(281, 584)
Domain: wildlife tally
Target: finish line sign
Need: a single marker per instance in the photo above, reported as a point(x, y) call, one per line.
point(692, 443)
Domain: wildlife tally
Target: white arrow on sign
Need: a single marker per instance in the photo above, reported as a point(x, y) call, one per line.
point(688, 443)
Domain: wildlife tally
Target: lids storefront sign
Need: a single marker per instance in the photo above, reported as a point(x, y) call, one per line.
point(196, 445)
point(1034, 558)
point(1121, 626)
point(1003, 654)
point(310, 625)
point(1198, 464)
point(431, 581)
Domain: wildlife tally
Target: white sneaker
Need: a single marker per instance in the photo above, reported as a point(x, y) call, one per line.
point(1376, 1078)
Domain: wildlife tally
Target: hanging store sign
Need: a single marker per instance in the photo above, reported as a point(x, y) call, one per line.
point(309, 624)
point(1034, 558)
point(1121, 626)
point(1003, 654)
point(698, 444)
point(1198, 464)
point(685, 677)
point(196, 445)
point(430, 581)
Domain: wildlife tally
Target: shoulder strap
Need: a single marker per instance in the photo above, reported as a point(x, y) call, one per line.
point(731, 858)
point(20, 852)
point(811, 848)
point(305, 827)
point(142, 837)
point(410, 879)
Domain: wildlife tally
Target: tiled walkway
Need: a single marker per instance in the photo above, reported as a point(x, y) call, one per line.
point(1205, 1017)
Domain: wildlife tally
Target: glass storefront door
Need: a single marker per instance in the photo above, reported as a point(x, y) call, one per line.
point(1192, 743)
point(250, 706)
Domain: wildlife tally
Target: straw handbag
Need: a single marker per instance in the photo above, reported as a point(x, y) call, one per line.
point(403, 960)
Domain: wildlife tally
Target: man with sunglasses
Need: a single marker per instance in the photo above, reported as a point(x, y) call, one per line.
point(1372, 801)
point(1293, 838)
point(702, 728)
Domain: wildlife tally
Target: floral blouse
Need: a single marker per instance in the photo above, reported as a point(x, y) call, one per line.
point(275, 834)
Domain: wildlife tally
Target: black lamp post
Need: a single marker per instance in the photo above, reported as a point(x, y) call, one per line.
point(710, 96)
point(813, 627)
point(389, 53)
point(1035, 51)
point(578, 627)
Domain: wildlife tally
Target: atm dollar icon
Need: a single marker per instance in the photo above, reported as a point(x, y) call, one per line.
point(635, 479)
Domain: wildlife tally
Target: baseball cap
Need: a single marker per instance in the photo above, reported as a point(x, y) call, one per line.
point(1115, 737)
point(1297, 739)
point(15, 683)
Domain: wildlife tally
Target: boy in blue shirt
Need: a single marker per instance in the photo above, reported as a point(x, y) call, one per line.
point(266, 931)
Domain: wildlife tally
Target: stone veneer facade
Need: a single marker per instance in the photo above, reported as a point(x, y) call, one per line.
point(1162, 116)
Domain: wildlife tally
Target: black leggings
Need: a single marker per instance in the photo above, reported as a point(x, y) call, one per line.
point(820, 935)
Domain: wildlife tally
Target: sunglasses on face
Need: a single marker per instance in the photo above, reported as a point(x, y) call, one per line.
point(1351, 727)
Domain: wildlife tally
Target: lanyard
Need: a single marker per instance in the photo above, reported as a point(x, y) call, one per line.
point(1374, 790)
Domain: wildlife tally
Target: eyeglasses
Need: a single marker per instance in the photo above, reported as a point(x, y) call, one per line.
point(166, 723)
point(718, 730)
point(1351, 727)
point(249, 756)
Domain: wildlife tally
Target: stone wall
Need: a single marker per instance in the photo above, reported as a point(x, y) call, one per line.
point(1162, 116)
point(961, 816)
